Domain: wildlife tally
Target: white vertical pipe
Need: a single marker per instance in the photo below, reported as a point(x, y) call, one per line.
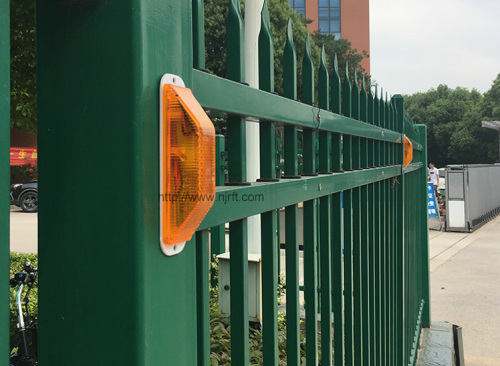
point(253, 10)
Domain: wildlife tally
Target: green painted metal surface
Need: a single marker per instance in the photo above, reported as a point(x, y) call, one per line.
point(218, 233)
point(203, 297)
point(4, 176)
point(268, 196)
point(216, 93)
point(108, 294)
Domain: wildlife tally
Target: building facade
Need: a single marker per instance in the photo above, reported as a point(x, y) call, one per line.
point(347, 19)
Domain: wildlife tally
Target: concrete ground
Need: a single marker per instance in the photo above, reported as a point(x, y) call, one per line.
point(23, 231)
point(465, 288)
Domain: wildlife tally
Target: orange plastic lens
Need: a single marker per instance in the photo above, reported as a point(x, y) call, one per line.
point(408, 157)
point(187, 183)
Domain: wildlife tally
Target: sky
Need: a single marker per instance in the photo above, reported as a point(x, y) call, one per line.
point(417, 45)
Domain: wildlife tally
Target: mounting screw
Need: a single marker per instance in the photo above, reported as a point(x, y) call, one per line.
point(226, 287)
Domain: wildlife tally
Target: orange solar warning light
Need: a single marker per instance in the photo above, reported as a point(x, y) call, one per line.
point(187, 164)
point(408, 152)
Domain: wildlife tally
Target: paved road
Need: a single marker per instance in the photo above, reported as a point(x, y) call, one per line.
point(465, 288)
point(23, 231)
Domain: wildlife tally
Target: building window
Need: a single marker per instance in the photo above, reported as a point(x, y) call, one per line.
point(329, 17)
point(299, 6)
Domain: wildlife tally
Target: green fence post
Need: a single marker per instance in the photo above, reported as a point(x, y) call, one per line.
point(424, 236)
point(4, 176)
point(104, 282)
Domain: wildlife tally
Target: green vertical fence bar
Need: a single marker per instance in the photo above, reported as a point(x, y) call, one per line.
point(376, 121)
point(355, 110)
point(424, 242)
point(203, 297)
point(379, 238)
point(325, 138)
point(267, 131)
point(236, 129)
point(365, 235)
point(198, 35)
point(218, 233)
point(269, 220)
point(291, 212)
point(386, 219)
point(348, 232)
point(116, 46)
point(310, 217)
point(400, 254)
point(356, 234)
point(238, 248)
point(383, 241)
point(336, 108)
point(238, 234)
point(389, 219)
point(4, 175)
point(269, 288)
point(337, 230)
point(372, 238)
point(347, 111)
point(325, 222)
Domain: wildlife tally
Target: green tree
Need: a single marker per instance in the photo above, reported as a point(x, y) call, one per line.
point(23, 65)
point(453, 118)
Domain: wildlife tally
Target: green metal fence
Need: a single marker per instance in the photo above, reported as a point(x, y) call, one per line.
point(107, 294)
point(363, 212)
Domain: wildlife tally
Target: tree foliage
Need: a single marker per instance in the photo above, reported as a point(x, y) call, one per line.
point(453, 118)
point(23, 64)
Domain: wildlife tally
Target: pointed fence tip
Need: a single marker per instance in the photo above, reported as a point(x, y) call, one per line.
point(289, 29)
point(323, 55)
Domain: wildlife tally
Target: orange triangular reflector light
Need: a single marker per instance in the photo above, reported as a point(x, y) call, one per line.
point(187, 164)
point(408, 156)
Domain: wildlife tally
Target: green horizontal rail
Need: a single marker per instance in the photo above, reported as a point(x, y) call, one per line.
point(413, 167)
point(270, 196)
point(215, 93)
point(416, 145)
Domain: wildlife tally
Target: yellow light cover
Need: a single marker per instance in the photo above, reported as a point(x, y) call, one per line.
point(408, 156)
point(187, 165)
